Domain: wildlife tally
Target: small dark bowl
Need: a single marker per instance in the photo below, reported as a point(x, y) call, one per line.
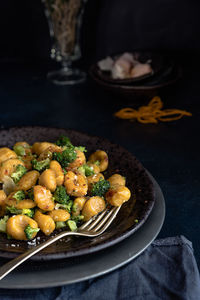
point(157, 61)
point(140, 90)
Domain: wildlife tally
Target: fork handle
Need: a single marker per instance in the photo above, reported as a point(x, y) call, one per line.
point(11, 265)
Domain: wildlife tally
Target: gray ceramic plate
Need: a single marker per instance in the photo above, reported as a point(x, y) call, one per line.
point(131, 216)
point(75, 269)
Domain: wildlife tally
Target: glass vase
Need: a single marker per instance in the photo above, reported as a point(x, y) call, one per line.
point(65, 20)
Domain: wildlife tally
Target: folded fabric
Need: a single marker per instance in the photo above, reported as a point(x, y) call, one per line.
point(166, 270)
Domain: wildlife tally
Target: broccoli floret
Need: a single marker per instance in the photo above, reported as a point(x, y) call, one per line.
point(100, 188)
point(64, 171)
point(63, 141)
point(74, 207)
point(40, 165)
point(81, 170)
point(60, 195)
point(25, 211)
point(77, 219)
point(13, 210)
point(3, 222)
point(19, 195)
point(68, 155)
point(72, 225)
point(65, 157)
point(28, 212)
point(81, 148)
point(30, 194)
point(86, 170)
point(29, 231)
point(18, 173)
point(19, 150)
point(67, 206)
point(60, 225)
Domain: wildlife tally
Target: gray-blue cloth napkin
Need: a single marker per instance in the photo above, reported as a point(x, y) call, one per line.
point(166, 270)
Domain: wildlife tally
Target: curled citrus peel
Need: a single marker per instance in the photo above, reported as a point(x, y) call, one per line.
point(152, 113)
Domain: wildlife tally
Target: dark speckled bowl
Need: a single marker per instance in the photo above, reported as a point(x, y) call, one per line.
point(131, 216)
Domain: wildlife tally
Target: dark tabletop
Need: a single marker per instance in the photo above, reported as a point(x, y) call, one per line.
point(170, 151)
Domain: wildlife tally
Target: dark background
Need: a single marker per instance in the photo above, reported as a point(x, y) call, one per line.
point(170, 151)
point(109, 26)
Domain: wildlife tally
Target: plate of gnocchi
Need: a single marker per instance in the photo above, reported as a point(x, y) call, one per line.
point(56, 179)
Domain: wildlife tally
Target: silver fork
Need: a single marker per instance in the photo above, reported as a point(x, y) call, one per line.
point(92, 228)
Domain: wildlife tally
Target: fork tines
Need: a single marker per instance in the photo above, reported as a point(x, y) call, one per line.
point(102, 221)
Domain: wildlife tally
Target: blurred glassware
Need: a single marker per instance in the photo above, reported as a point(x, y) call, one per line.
point(65, 20)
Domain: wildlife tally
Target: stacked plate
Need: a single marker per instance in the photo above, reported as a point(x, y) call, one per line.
point(75, 259)
point(164, 73)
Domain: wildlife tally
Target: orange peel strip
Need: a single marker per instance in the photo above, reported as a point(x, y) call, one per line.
point(152, 113)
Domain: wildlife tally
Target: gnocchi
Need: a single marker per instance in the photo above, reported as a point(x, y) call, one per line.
point(56, 167)
point(117, 179)
point(45, 222)
point(92, 207)
point(39, 148)
point(28, 180)
point(16, 225)
point(59, 215)
point(43, 198)
point(76, 185)
point(117, 195)
point(8, 167)
point(53, 186)
point(6, 153)
point(101, 157)
point(48, 179)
